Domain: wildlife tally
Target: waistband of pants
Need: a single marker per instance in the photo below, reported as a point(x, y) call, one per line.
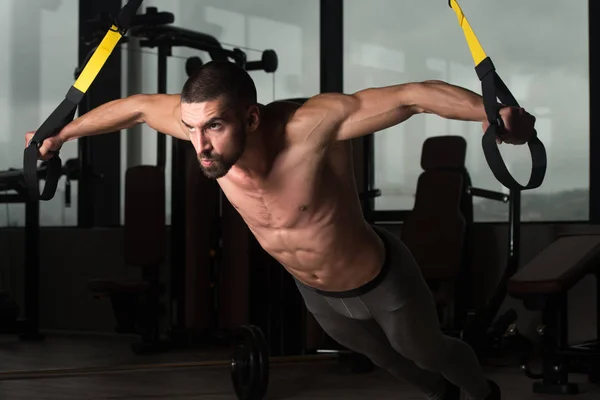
point(367, 287)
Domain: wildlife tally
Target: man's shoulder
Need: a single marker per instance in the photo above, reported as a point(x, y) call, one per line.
point(283, 108)
point(302, 118)
point(320, 103)
point(282, 113)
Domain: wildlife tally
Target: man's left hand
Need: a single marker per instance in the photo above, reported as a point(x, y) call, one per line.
point(518, 126)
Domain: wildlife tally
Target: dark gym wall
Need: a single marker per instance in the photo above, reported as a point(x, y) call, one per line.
point(69, 259)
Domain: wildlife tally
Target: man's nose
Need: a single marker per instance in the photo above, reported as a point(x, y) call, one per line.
point(202, 144)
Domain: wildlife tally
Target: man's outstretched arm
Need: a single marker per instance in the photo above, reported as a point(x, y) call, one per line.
point(368, 111)
point(158, 111)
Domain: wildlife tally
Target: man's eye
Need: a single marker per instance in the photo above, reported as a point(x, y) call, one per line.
point(214, 126)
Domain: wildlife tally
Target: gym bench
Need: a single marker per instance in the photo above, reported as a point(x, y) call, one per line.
point(543, 285)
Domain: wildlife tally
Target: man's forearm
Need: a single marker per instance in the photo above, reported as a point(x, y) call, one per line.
point(109, 117)
point(447, 101)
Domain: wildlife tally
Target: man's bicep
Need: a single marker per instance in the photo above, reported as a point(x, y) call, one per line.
point(162, 113)
point(343, 117)
point(374, 110)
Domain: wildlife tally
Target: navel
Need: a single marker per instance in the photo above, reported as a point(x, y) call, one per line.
point(303, 207)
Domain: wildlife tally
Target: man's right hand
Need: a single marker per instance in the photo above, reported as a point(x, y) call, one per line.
point(49, 146)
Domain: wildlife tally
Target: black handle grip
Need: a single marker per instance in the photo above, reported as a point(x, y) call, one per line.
point(494, 89)
point(60, 117)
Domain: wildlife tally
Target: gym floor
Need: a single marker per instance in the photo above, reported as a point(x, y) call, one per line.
point(314, 380)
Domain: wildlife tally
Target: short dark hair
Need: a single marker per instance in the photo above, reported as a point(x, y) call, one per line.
point(220, 79)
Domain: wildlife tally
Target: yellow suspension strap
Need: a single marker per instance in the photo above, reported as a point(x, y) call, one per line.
point(493, 88)
point(65, 112)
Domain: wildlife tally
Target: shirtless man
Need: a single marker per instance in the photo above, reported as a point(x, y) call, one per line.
point(287, 170)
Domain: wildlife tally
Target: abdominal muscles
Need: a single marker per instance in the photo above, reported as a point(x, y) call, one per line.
point(312, 245)
point(311, 223)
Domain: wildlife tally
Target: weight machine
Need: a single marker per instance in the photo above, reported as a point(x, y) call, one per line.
point(154, 30)
point(444, 196)
point(13, 181)
point(486, 331)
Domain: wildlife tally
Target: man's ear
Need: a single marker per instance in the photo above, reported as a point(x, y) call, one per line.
point(253, 117)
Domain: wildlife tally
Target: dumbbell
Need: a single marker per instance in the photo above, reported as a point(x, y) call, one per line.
point(192, 65)
point(268, 63)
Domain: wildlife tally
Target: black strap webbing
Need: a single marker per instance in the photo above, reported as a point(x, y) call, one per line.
point(65, 112)
point(493, 89)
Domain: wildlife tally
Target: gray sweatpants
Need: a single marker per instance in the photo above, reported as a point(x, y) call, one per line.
point(393, 321)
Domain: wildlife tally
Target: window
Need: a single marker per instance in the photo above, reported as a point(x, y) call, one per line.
point(38, 41)
point(545, 66)
point(289, 27)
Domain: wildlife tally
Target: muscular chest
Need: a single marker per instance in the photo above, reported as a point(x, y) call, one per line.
point(287, 198)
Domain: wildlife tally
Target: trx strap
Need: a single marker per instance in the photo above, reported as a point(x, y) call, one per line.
point(65, 112)
point(493, 87)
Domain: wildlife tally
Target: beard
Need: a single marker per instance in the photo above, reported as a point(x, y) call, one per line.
point(220, 166)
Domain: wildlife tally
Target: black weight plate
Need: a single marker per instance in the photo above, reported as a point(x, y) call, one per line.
point(262, 375)
point(249, 363)
point(241, 368)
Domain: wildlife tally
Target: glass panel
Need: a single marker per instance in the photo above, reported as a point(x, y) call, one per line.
point(388, 43)
point(38, 40)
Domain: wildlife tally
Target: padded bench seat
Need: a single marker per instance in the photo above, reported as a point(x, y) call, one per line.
point(559, 267)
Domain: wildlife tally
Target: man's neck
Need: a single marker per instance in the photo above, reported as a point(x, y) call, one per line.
point(256, 160)
point(262, 145)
